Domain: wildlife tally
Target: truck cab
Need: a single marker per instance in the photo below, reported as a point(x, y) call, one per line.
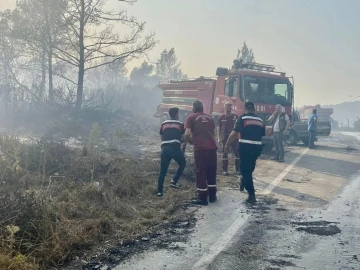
point(258, 83)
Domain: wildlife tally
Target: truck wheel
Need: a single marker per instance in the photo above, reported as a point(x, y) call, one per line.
point(293, 139)
point(305, 141)
point(267, 147)
point(164, 117)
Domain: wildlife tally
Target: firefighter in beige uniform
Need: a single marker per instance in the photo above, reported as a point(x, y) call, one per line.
point(225, 126)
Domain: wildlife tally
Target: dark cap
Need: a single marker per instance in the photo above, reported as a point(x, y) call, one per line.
point(249, 105)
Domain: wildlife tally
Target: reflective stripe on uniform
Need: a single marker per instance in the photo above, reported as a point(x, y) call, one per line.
point(173, 121)
point(250, 142)
point(171, 141)
point(211, 185)
point(202, 189)
point(252, 118)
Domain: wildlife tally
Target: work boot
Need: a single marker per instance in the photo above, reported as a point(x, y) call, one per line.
point(225, 173)
point(251, 199)
point(275, 158)
point(159, 194)
point(200, 202)
point(174, 185)
point(281, 159)
point(212, 199)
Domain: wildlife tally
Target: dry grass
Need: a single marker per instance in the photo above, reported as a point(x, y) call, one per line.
point(56, 201)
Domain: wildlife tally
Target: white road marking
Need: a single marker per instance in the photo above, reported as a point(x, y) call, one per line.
point(225, 238)
point(221, 243)
point(280, 177)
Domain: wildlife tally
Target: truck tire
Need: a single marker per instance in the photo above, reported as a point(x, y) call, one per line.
point(305, 141)
point(164, 117)
point(293, 139)
point(267, 147)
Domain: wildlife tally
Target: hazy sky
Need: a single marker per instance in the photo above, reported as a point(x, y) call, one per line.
point(315, 41)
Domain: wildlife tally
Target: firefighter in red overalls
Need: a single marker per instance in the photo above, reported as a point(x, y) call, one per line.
point(200, 132)
point(225, 126)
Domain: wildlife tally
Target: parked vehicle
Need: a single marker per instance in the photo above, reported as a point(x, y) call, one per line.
point(254, 82)
point(322, 113)
point(299, 130)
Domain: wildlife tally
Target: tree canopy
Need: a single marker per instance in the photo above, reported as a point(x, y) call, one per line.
point(245, 54)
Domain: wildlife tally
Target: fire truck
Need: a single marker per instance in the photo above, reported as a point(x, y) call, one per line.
point(259, 83)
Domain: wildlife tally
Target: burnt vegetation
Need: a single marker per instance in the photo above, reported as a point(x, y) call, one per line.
point(63, 78)
point(58, 201)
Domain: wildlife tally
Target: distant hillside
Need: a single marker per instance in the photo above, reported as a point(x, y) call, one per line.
point(345, 110)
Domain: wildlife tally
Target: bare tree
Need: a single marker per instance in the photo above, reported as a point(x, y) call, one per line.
point(12, 62)
point(92, 42)
point(39, 25)
point(6, 56)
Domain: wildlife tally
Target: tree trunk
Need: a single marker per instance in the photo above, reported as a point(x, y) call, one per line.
point(50, 70)
point(81, 72)
point(7, 87)
point(43, 71)
point(49, 50)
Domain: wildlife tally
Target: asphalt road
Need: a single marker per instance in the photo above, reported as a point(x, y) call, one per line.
point(307, 217)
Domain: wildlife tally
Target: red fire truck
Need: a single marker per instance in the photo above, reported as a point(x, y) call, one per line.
point(254, 82)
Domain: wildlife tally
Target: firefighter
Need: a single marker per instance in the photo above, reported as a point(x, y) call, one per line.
point(249, 129)
point(171, 132)
point(200, 132)
point(226, 123)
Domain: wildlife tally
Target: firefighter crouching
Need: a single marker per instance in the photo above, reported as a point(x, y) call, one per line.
point(225, 125)
point(200, 132)
point(250, 129)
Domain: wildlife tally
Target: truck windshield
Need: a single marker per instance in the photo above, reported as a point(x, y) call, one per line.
point(267, 90)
